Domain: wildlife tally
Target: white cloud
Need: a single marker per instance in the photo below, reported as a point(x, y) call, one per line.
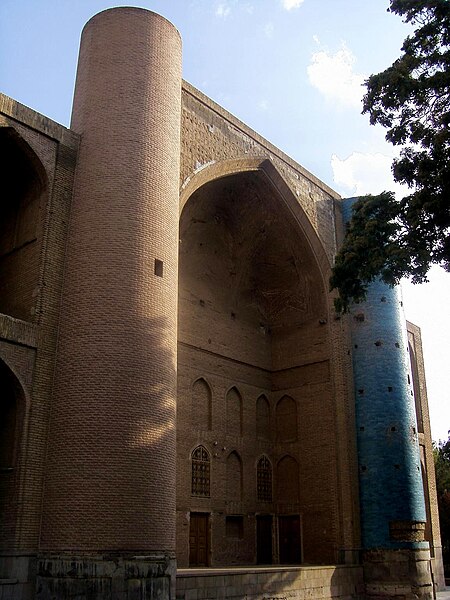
point(290, 4)
point(333, 76)
point(268, 30)
point(361, 174)
point(263, 104)
point(223, 9)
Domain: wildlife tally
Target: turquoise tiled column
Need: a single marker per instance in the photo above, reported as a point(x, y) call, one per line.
point(390, 479)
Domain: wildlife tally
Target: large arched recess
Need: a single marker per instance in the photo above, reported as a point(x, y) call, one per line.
point(254, 311)
point(270, 269)
point(24, 185)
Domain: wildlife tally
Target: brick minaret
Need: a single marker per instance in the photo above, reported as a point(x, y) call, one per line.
point(110, 479)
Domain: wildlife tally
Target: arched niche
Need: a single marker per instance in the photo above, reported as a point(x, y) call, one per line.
point(234, 482)
point(234, 412)
point(262, 418)
point(201, 414)
point(287, 487)
point(23, 185)
point(12, 414)
point(286, 418)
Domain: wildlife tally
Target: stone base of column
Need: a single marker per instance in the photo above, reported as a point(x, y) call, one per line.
point(398, 574)
point(106, 577)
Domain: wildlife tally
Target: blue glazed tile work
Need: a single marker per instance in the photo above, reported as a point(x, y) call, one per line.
point(390, 477)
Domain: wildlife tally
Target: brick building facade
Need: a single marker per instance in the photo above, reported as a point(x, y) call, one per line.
point(181, 414)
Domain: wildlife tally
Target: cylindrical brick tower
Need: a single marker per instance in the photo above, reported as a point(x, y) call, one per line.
point(395, 555)
point(109, 503)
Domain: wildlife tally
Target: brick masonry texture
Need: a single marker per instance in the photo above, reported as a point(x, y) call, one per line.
point(164, 287)
point(115, 374)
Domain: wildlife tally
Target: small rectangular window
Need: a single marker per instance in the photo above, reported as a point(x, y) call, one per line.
point(159, 267)
point(234, 527)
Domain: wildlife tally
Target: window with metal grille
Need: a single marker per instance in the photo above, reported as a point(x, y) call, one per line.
point(200, 472)
point(264, 480)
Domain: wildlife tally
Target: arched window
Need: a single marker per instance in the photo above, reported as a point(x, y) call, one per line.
point(201, 405)
point(286, 420)
point(234, 412)
point(262, 418)
point(200, 484)
point(234, 477)
point(264, 480)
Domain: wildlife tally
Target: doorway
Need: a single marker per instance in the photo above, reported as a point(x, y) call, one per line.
point(199, 540)
point(290, 540)
point(264, 539)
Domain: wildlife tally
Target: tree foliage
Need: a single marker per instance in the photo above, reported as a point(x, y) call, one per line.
point(441, 453)
point(411, 99)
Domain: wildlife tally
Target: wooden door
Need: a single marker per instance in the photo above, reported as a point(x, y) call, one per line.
point(198, 540)
point(264, 539)
point(289, 540)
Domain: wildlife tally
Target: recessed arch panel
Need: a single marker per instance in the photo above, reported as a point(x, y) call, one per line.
point(12, 417)
point(24, 184)
point(201, 414)
point(287, 480)
point(263, 418)
point(234, 412)
point(286, 417)
point(218, 170)
point(234, 479)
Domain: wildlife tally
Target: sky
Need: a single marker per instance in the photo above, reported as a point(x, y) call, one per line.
point(293, 70)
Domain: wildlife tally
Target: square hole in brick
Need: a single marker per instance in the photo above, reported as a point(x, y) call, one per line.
point(159, 268)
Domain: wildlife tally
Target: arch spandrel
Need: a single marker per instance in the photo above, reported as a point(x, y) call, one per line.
point(12, 137)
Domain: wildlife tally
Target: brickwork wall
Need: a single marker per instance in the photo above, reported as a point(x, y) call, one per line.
point(313, 449)
point(28, 347)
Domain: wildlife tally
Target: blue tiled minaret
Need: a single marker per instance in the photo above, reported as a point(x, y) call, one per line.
point(390, 481)
point(390, 477)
